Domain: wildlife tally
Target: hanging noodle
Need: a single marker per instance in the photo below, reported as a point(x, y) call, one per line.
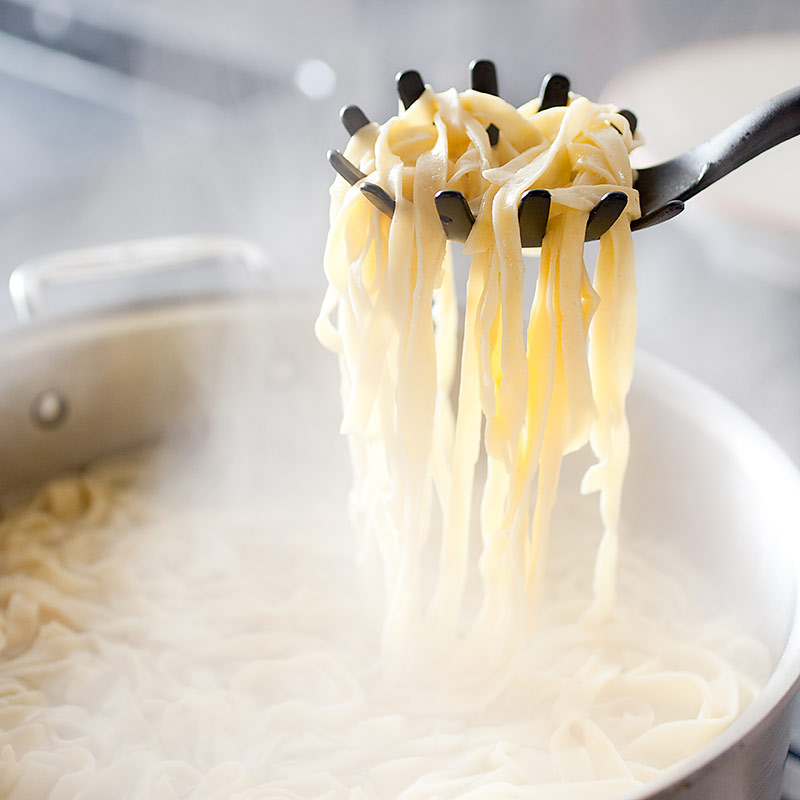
point(539, 387)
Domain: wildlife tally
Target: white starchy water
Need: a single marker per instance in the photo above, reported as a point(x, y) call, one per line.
point(153, 652)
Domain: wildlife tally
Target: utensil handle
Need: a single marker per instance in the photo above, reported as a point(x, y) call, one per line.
point(136, 259)
point(771, 123)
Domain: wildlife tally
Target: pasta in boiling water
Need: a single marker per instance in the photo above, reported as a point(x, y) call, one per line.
point(156, 649)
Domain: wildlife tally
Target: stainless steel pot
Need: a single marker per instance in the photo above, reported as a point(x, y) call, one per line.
point(240, 371)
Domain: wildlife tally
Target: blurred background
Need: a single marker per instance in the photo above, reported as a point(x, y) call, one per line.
point(123, 119)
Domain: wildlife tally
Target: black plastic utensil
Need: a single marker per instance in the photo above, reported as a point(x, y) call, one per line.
point(663, 188)
point(483, 78)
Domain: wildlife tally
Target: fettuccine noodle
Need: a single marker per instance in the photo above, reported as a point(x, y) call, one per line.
point(156, 649)
point(540, 385)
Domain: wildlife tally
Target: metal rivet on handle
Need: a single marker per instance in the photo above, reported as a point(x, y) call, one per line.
point(49, 409)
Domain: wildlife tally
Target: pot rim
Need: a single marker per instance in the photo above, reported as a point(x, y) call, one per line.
point(720, 416)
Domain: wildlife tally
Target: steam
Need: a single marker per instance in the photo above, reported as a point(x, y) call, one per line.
point(189, 621)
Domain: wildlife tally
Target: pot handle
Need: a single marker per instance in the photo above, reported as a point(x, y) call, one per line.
point(226, 258)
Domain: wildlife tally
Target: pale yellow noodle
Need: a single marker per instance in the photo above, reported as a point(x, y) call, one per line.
point(541, 383)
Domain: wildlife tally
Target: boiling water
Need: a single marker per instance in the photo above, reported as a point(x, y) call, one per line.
point(172, 646)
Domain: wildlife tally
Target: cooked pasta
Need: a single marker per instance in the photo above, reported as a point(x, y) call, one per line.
point(155, 653)
point(540, 387)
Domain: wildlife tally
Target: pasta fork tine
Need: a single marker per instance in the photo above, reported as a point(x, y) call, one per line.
point(379, 197)
point(410, 87)
point(554, 91)
point(483, 78)
point(347, 169)
point(353, 119)
point(605, 214)
point(534, 209)
point(455, 214)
